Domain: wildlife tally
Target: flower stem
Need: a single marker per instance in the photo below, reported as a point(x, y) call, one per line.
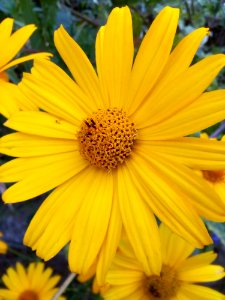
point(64, 286)
point(18, 253)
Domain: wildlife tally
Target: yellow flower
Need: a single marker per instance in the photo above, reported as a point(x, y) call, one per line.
point(215, 178)
point(31, 283)
point(126, 279)
point(3, 245)
point(112, 144)
point(12, 45)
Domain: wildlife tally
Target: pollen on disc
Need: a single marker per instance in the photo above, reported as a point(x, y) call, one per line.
point(106, 138)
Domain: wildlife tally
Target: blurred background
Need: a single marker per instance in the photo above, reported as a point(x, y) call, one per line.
point(82, 19)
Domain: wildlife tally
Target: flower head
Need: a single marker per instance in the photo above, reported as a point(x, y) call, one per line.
point(12, 45)
point(126, 279)
point(31, 283)
point(215, 178)
point(3, 245)
point(112, 144)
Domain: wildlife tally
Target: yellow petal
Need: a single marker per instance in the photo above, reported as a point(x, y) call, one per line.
point(49, 284)
point(11, 102)
point(110, 244)
point(42, 124)
point(15, 42)
point(196, 292)
point(78, 64)
point(122, 261)
point(8, 294)
point(61, 207)
point(91, 222)
point(168, 200)
point(124, 247)
point(39, 175)
point(138, 221)
point(100, 64)
point(51, 89)
point(24, 145)
point(174, 249)
point(196, 153)
point(196, 190)
point(122, 276)
point(12, 280)
point(42, 55)
point(35, 271)
point(125, 292)
point(206, 111)
point(152, 56)
point(183, 54)
point(31, 270)
point(199, 260)
point(117, 56)
point(220, 190)
point(6, 27)
point(21, 272)
point(8, 103)
point(42, 282)
point(202, 274)
point(170, 97)
point(90, 273)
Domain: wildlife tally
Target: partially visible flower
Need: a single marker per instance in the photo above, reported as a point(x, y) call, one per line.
point(127, 280)
point(3, 245)
point(31, 283)
point(11, 44)
point(215, 178)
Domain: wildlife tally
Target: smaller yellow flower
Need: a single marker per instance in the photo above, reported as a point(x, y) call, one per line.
point(126, 279)
point(31, 283)
point(13, 42)
point(215, 178)
point(3, 246)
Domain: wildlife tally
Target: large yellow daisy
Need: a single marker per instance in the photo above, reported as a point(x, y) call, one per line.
point(112, 144)
point(126, 279)
point(11, 44)
point(31, 283)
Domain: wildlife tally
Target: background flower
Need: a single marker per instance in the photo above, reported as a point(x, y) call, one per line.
point(34, 282)
point(216, 178)
point(13, 42)
point(3, 245)
point(179, 274)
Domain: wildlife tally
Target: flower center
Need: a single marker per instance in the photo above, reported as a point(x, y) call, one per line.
point(163, 287)
point(28, 295)
point(106, 138)
point(4, 76)
point(214, 176)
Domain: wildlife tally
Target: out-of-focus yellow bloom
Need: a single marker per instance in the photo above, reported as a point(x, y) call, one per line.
point(31, 283)
point(215, 178)
point(179, 276)
point(3, 245)
point(11, 44)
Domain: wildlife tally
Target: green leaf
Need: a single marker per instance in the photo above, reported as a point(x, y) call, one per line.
point(218, 229)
